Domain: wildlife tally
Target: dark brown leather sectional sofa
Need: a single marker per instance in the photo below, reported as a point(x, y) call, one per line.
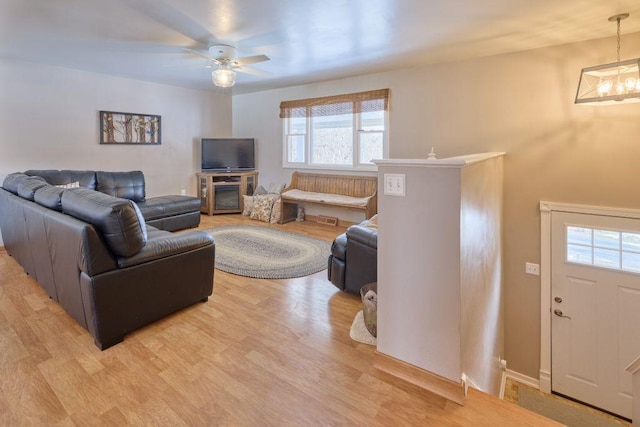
point(97, 256)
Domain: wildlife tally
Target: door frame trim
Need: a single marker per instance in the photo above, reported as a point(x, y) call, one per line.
point(546, 208)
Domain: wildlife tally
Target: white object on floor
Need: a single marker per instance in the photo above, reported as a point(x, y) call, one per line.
point(359, 331)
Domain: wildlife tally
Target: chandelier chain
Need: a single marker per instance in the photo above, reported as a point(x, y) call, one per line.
point(618, 38)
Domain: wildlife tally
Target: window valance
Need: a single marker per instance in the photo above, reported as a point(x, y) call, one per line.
point(350, 103)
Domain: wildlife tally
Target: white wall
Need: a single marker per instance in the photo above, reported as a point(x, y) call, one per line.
point(519, 103)
point(440, 298)
point(481, 285)
point(49, 120)
point(419, 319)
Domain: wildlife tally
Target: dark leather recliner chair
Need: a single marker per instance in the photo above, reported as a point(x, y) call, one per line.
point(354, 258)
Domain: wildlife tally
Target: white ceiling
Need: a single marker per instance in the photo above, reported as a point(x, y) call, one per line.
point(307, 40)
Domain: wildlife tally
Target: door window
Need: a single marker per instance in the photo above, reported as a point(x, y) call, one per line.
point(613, 249)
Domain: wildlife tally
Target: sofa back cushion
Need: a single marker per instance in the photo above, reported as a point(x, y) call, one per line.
point(86, 179)
point(12, 180)
point(119, 220)
point(126, 185)
point(27, 187)
point(50, 197)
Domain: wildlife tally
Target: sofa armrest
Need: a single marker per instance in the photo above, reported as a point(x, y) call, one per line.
point(363, 235)
point(169, 245)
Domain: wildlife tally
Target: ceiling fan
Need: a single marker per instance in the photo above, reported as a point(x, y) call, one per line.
point(227, 62)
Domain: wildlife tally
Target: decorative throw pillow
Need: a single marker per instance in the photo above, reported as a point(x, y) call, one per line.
point(247, 202)
point(371, 223)
point(69, 185)
point(276, 211)
point(259, 191)
point(276, 188)
point(262, 206)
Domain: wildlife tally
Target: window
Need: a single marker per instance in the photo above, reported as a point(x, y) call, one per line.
point(336, 132)
point(616, 250)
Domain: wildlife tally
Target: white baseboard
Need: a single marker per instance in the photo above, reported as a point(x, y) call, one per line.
point(523, 379)
point(503, 384)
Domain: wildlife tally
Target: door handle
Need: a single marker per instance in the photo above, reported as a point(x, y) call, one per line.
point(558, 313)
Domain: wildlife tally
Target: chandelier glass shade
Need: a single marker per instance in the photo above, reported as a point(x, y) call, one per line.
point(610, 83)
point(223, 77)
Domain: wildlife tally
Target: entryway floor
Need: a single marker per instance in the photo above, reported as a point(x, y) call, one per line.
point(511, 395)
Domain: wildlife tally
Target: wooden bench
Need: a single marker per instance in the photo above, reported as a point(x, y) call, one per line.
point(358, 193)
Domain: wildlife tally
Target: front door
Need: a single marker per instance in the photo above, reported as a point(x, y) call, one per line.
point(595, 308)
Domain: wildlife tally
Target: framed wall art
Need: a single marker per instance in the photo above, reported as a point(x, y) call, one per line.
point(129, 128)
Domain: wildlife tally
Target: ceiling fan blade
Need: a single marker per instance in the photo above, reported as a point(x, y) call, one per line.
point(253, 71)
point(251, 59)
point(203, 55)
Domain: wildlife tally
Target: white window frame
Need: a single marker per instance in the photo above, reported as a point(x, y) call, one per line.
point(357, 131)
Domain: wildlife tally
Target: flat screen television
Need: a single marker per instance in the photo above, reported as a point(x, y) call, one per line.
point(228, 154)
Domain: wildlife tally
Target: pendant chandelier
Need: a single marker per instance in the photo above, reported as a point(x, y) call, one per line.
point(610, 83)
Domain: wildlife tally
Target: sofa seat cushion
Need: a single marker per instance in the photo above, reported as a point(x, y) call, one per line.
point(119, 220)
point(166, 206)
point(166, 244)
point(333, 199)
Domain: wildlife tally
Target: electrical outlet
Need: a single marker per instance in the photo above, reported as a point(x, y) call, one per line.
point(394, 184)
point(531, 268)
point(183, 192)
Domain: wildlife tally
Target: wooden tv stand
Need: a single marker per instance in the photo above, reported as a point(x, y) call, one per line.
point(221, 192)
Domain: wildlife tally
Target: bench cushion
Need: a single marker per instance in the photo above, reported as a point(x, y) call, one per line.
point(332, 199)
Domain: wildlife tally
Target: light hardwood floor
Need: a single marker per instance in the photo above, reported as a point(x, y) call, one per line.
point(258, 353)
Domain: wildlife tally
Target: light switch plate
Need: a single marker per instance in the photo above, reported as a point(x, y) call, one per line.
point(531, 268)
point(394, 184)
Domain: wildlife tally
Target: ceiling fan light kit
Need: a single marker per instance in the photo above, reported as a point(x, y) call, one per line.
point(225, 58)
point(610, 83)
point(223, 77)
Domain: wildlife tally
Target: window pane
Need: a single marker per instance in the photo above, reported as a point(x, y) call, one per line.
point(370, 146)
point(373, 120)
point(579, 235)
point(579, 254)
point(298, 125)
point(631, 262)
point(606, 239)
point(332, 140)
point(606, 258)
point(295, 148)
point(631, 242)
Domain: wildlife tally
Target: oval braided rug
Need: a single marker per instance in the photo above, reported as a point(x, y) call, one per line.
point(267, 253)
